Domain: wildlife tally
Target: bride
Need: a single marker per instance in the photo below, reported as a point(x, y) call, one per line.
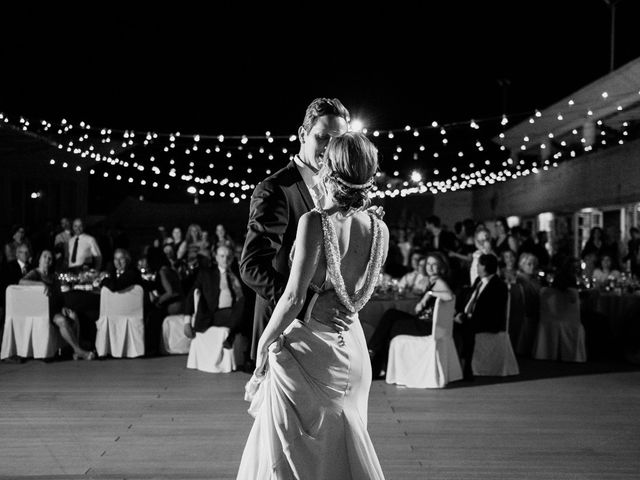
point(310, 389)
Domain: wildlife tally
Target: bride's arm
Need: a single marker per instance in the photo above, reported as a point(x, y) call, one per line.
point(305, 261)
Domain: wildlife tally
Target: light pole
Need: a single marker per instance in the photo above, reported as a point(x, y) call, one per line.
point(612, 7)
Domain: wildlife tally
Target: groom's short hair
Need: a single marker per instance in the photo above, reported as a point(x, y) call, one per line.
point(321, 107)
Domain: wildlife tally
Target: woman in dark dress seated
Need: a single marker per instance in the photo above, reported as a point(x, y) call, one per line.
point(166, 297)
point(64, 318)
point(396, 322)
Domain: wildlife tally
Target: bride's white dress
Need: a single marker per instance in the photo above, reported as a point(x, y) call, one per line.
point(310, 407)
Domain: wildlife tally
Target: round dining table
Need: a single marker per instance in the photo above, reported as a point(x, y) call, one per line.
point(620, 313)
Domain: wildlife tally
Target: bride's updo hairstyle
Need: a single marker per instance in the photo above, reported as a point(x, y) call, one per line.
point(351, 162)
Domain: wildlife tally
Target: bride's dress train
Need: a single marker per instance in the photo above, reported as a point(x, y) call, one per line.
point(310, 407)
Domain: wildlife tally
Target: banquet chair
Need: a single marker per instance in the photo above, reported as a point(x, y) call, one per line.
point(493, 353)
point(206, 352)
point(174, 341)
point(560, 333)
point(516, 313)
point(28, 331)
point(429, 361)
point(120, 327)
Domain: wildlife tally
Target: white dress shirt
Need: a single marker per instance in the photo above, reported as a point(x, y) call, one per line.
point(23, 267)
point(225, 299)
point(312, 181)
point(87, 249)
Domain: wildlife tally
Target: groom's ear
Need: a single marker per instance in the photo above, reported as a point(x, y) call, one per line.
point(301, 134)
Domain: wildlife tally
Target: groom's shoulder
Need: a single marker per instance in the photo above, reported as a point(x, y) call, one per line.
point(285, 177)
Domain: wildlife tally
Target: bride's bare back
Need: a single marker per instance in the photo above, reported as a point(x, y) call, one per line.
point(355, 237)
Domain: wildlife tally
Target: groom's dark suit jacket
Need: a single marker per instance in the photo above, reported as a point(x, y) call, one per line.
point(276, 205)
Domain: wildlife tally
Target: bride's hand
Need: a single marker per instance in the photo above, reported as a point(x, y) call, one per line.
point(262, 355)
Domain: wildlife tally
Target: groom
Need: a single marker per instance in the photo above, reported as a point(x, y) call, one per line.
point(276, 205)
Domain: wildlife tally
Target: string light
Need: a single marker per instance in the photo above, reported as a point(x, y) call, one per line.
point(103, 147)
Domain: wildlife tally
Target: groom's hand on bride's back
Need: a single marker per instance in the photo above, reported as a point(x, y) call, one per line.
point(331, 312)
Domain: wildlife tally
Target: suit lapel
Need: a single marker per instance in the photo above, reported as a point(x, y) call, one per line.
point(302, 187)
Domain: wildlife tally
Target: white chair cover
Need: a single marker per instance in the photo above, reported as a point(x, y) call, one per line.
point(426, 362)
point(120, 328)
point(493, 353)
point(174, 341)
point(28, 332)
point(206, 353)
point(560, 333)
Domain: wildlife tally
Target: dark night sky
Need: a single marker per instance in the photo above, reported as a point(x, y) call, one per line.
point(235, 72)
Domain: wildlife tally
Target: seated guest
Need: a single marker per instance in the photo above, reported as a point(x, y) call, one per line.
point(122, 274)
point(508, 269)
point(396, 322)
point(83, 249)
point(189, 267)
point(633, 251)
point(416, 281)
point(205, 244)
point(170, 252)
point(526, 275)
point(65, 319)
point(11, 273)
point(540, 249)
point(589, 262)
point(504, 240)
point(524, 240)
point(223, 238)
point(161, 238)
point(441, 240)
point(176, 238)
point(406, 247)
point(18, 267)
point(482, 240)
point(193, 237)
point(525, 305)
point(595, 243)
point(18, 238)
point(221, 301)
point(166, 297)
point(485, 311)
point(605, 271)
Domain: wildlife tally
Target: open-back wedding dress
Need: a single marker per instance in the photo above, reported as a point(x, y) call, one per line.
point(310, 407)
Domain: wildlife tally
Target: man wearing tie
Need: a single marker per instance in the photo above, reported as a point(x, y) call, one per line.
point(11, 275)
point(83, 248)
point(122, 274)
point(18, 268)
point(221, 301)
point(485, 311)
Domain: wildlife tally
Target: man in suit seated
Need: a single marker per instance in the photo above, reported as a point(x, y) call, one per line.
point(12, 273)
point(122, 274)
point(221, 301)
point(18, 268)
point(485, 311)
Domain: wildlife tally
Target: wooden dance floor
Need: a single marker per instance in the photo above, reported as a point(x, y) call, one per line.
point(152, 418)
